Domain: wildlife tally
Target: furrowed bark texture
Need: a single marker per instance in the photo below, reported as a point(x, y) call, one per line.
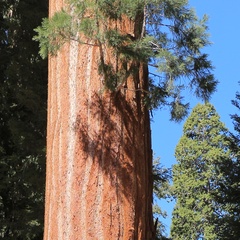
point(99, 158)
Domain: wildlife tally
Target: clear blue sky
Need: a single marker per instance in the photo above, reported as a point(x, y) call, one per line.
point(224, 29)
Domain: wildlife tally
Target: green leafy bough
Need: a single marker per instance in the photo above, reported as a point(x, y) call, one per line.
point(169, 38)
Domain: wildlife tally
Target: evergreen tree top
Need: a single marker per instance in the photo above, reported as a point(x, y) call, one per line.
point(203, 120)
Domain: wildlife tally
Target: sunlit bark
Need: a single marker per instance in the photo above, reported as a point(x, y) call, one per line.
point(99, 183)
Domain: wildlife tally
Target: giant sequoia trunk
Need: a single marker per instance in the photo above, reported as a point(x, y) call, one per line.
point(99, 183)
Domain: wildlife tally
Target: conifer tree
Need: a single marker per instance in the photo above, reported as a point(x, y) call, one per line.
point(202, 155)
point(231, 187)
point(99, 161)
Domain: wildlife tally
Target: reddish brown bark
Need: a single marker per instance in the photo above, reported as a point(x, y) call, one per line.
point(99, 183)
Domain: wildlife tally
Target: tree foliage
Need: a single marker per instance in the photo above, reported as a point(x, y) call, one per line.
point(23, 76)
point(161, 187)
point(169, 38)
point(231, 188)
point(202, 155)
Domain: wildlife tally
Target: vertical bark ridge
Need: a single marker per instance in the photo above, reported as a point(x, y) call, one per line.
point(59, 148)
point(71, 136)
